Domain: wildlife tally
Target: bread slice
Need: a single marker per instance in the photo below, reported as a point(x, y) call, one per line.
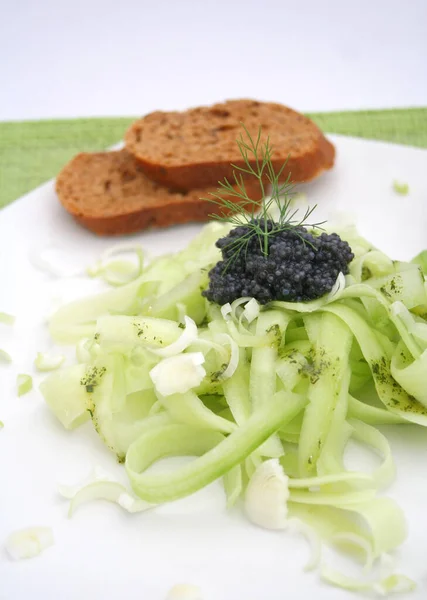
point(194, 148)
point(108, 193)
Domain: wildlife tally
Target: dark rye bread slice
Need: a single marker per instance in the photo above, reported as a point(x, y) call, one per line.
point(195, 148)
point(108, 193)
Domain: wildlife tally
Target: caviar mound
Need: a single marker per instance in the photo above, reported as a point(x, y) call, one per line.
point(299, 266)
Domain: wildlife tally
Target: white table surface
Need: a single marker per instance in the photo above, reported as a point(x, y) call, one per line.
point(109, 57)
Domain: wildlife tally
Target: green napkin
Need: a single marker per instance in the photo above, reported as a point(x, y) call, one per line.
point(32, 152)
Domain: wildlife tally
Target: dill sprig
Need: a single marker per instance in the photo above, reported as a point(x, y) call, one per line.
point(255, 214)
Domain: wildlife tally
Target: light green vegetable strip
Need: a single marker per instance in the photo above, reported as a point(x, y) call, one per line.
point(117, 272)
point(371, 414)
point(371, 264)
point(327, 479)
point(378, 514)
point(45, 362)
point(6, 318)
point(415, 326)
point(421, 260)
point(333, 499)
point(331, 456)
point(233, 485)
point(186, 293)
point(411, 375)
point(120, 418)
point(391, 394)
point(370, 520)
point(124, 333)
point(66, 397)
point(393, 583)
point(235, 391)
point(106, 490)
point(1, 424)
point(397, 583)
point(236, 394)
point(367, 434)
point(400, 188)
point(290, 366)
point(218, 458)
point(291, 431)
point(362, 290)
point(5, 356)
point(77, 319)
point(248, 341)
point(312, 324)
point(307, 307)
point(377, 314)
point(189, 409)
point(263, 369)
point(24, 383)
point(137, 377)
point(405, 286)
point(326, 381)
point(262, 380)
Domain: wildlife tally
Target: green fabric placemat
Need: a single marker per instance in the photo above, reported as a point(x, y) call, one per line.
point(32, 152)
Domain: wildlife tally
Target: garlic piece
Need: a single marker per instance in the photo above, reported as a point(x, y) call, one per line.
point(27, 543)
point(184, 591)
point(267, 495)
point(178, 374)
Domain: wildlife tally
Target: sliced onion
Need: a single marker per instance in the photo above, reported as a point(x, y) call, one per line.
point(181, 310)
point(48, 362)
point(226, 311)
point(24, 383)
point(43, 264)
point(82, 351)
point(184, 591)
point(5, 356)
point(359, 541)
point(86, 350)
point(337, 288)
point(392, 583)
point(27, 543)
point(313, 540)
point(6, 318)
point(118, 272)
point(210, 345)
point(100, 485)
point(120, 249)
point(187, 337)
point(251, 310)
point(97, 474)
point(234, 355)
point(236, 304)
point(111, 491)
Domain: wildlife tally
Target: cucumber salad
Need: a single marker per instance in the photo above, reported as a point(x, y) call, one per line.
point(260, 350)
point(264, 395)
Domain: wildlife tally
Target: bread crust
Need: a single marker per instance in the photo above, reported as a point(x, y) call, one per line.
point(108, 193)
point(294, 137)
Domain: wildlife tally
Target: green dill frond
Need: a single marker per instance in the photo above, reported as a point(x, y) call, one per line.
point(237, 208)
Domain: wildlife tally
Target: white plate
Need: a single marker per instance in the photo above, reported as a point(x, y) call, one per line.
point(105, 554)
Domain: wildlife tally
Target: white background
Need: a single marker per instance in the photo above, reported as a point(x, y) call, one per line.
point(127, 57)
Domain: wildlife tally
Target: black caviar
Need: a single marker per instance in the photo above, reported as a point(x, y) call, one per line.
point(299, 266)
